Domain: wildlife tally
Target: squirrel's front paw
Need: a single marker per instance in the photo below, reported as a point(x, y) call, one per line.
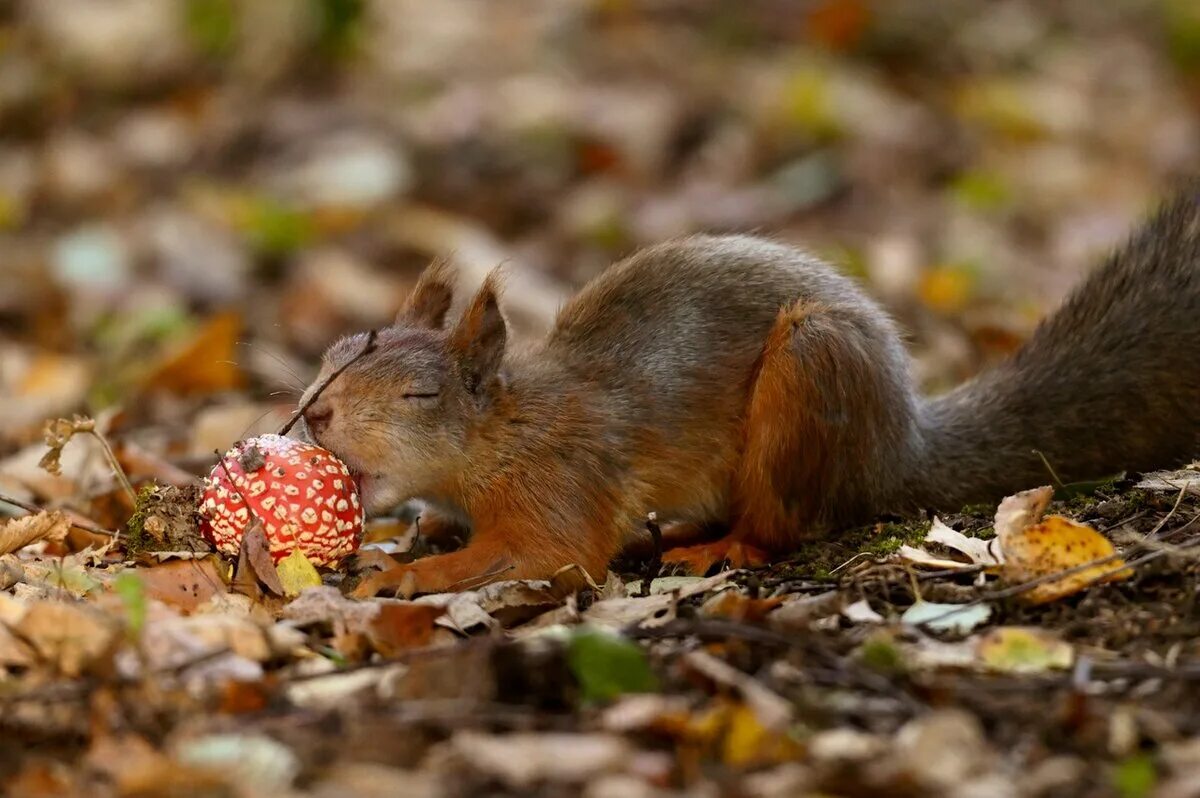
point(400, 579)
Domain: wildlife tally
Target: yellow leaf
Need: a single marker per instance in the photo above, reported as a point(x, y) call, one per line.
point(1054, 545)
point(1016, 650)
point(749, 743)
point(297, 573)
point(737, 732)
point(946, 289)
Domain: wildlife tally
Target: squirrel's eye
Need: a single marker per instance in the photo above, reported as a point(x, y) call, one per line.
point(425, 399)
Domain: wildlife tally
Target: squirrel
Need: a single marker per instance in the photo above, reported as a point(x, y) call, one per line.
point(739, 382)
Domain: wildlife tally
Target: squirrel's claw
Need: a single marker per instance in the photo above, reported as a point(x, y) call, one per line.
point(400, 577)
point(701, 558)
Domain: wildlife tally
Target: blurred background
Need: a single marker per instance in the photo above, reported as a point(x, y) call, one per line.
point(197, 196)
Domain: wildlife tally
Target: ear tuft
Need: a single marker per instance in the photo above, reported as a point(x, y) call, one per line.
point(430, 300)
point(479, 338)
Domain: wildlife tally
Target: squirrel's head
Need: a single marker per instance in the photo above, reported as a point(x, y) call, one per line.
point(400, 414)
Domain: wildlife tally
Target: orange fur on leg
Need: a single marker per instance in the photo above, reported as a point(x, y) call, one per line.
point(495, 553)
point(778, 486)
point(791, 430)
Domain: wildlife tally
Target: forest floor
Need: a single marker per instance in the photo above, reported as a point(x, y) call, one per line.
point(198, 196)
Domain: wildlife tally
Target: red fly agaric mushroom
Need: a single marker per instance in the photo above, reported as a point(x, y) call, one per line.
point(304, 496)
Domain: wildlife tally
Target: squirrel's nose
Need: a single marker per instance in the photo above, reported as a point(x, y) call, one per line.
point(317, 416)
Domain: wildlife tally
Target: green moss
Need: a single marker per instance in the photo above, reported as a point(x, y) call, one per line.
point(817, 559)
point(134, 536)
point(879, 653)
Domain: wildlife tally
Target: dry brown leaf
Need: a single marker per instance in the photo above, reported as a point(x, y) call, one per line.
point(185, 584)
point(255, 562)
point(73, 638)
point(204, 363)
point(1020, 510)
point(399, 627)
point(521, 760)
point(20, 532)
point(740, 607)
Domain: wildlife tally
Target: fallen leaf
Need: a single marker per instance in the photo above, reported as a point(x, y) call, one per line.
point(1058, 544)
point(523, 759)
point(607, 665)
point(67, 574)
point(136, 767)
point(800, 613)
point(638, 712)
point(956, 618)
point(132, 591)
point(665, 584)
point(296, 573)
point(254, 557)
point(743, 740)
point(1171, 481)
point(170, 642)
point(773, 711)
point(924, 559)
point(13, 650)
point(738, 606)
point(72, 637)
point(1020, 510)
point(617, 613)
point(861, 612)
point(242, 759)
point(401, 626)
point(204, 363)
point(20, 532)
point(1016, 649)
point(325, 605)
point(979, 552)
point(185, 584)
point(941, 750)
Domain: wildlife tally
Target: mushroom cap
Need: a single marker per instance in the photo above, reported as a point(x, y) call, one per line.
point(304, 495)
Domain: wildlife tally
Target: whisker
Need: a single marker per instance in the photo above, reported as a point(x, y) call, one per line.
point(253, 424)
point(297, 380)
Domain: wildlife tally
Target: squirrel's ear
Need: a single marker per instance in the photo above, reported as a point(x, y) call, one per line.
point(478, 339)
point(430, 300)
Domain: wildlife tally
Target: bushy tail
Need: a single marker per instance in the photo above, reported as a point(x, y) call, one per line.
point(1109, 383)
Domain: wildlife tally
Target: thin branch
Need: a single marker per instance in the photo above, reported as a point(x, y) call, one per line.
point(367, 349)
point(115, 465)
point(33, 509)
point(654, 564)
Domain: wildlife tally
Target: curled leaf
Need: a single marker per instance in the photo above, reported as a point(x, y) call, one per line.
point(57, 434)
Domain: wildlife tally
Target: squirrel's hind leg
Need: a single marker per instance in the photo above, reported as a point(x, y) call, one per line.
point(791, 432)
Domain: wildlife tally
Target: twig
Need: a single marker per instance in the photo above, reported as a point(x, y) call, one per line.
point(115, 465)
point(34, 509)
point(1182, 492)
point(654, 564)
point(367, 349)
point(1050, 468)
